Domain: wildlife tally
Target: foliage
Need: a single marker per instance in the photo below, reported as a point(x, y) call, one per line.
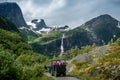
point(108, 67)
point(7, 25)
point(18, 61)
point(48, 38)
point(9, 69)
point(28, 34)
point(29, 60)
point(42, 78)
point(80, 65)
point(76, 51)
point(105, 67)
point(14, 43)
point(33, 71)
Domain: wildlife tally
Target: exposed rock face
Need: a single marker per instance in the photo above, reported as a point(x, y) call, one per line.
point(35, 21)
point(12, 12)
point(40, 25)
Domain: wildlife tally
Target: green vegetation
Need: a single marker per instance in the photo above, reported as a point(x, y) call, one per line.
point(48, 43)
point(77, 51)
point(9, 69)
point(18, 61)
point(48, 38)
point(14, 43)
point(29, 35)
point(105, 67)
point(7, 25)
point(78, 36)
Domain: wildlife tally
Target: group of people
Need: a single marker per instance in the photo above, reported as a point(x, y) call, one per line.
point(58, 65)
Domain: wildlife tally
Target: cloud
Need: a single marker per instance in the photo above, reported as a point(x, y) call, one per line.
point(67, 12)
point(31, 10)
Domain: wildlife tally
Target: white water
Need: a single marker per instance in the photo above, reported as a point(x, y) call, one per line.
point(62, 45)
point(118, 25)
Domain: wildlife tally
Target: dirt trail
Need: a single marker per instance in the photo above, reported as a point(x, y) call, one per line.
point(67, 78)
point(62, 78)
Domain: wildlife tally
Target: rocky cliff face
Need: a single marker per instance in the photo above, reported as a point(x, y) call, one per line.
point(12, 12)
point(40, 25)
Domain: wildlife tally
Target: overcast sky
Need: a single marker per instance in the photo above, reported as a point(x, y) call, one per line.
point(67, 12)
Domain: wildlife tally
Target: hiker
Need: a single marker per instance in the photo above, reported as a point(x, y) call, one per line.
point(54, 65)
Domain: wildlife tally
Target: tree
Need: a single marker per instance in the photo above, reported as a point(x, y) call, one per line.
point(9, 69)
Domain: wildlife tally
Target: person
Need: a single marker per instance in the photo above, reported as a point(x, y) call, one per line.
point(62, 63)
point(63, 66)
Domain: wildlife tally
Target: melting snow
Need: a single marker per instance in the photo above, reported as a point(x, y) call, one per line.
point(32, 24)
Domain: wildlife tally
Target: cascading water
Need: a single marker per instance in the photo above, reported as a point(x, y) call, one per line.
point(62, 45)
point(118, 25)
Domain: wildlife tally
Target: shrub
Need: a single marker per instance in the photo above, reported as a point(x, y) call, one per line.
point(9, 69)
point(32, 72)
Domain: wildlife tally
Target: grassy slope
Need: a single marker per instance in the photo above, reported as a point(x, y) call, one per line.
point(48, 38)
point(87, 71)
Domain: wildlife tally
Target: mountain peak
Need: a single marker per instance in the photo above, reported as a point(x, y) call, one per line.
point(12, 12)
point(9, 3)
point(104, 27)
point(42, 20)
point(41, 24)
point(106, 18)
point(105, 15)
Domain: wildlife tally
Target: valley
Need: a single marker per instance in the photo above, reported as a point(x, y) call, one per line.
point(91, 50)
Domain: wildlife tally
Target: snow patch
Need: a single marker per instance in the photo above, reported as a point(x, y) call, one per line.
point(33, 25)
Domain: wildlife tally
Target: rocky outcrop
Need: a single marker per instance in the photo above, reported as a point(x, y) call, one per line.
point(12, 12)
point(40, 25)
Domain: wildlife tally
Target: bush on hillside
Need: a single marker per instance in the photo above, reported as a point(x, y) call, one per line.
point(9, 69)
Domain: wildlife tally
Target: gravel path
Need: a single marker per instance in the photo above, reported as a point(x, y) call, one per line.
point(62, 78)
point(66, 78)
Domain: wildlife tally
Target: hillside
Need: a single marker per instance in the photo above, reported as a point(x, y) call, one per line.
point(99, 63)
point(48, 43)
point(93, 31)
point(7, 25)
point(18, 60)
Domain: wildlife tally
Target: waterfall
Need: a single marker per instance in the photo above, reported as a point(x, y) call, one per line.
point(62, 45)
point(118, 24)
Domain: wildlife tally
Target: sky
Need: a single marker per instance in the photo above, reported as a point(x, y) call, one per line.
point(67, 12)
